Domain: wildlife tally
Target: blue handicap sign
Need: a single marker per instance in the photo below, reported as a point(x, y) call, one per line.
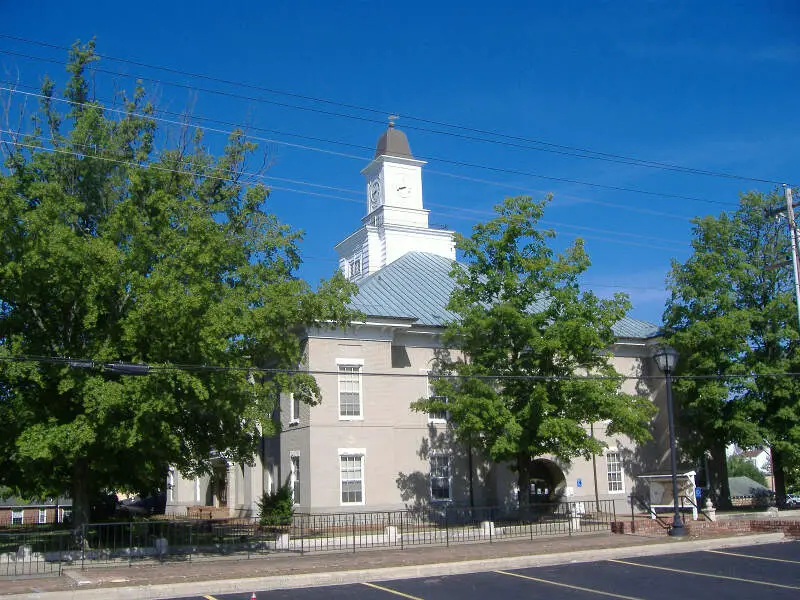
point(579, 483)
point(698, 492)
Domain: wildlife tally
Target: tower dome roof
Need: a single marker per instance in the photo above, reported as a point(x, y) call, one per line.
point(393, 142)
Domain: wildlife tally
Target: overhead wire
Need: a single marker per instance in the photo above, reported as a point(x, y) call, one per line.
point(427, 158)
point(165, 169)
point(540, 145)
point(145, 368)
point(323, 195)
point(340, 154)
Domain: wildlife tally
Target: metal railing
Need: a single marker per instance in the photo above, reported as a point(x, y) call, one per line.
point(27, 552)
point(649, 509)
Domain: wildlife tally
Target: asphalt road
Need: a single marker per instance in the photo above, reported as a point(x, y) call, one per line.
point(766, 571)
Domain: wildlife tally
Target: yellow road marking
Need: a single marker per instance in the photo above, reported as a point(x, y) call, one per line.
point(391, 591)
point(209, 597)
point(728, 577)
point(783, 560)
point(566, 585)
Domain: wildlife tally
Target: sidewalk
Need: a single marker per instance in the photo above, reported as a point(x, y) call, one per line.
point(173, 579)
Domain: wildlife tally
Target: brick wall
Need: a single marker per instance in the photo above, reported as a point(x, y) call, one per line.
point(30, 516)
point(790, 527)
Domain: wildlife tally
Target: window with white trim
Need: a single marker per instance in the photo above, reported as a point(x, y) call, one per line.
point(17, 517)
point(171, 485)
point(351, 476)
point(614, 470)
point(294, 409)
point(440, 415)
point(354, 266)
point(294, 476)
point(441, 476)
point(350, 401)
point(42, 517)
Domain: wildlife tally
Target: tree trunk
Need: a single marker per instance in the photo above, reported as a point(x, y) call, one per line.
point(81, 497)
point(778, 478)
point(717, 477)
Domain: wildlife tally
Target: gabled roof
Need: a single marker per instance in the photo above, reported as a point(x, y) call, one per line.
point(744, 486)
point(418, 285)
point(16, 502)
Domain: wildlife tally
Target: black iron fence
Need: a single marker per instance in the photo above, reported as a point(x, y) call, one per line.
point(31, 552)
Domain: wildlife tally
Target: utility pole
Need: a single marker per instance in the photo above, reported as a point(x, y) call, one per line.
point(793, 233)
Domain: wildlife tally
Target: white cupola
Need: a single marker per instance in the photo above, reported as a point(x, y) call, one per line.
point(395, 220)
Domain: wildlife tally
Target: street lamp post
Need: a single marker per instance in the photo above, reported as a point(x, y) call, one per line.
point(666, 358)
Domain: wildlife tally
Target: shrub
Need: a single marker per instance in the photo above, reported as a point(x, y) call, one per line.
point(276, 508)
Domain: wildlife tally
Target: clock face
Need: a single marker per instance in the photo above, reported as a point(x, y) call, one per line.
point(404, 186)
point(374, 192)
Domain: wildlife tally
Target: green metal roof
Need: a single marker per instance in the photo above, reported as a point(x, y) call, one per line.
point(418, 285)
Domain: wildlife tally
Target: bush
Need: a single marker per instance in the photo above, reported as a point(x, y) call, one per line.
point(276, 508)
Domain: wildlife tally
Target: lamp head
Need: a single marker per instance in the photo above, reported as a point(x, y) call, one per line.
point(666, 357)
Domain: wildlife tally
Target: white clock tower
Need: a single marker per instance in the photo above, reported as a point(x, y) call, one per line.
point(396, 221)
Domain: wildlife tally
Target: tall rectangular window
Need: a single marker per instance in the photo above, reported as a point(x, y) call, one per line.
point(440, 415)
point(614, 467)
point(294, 477)
point(351, 473)
point(42, 516)
point(350, 391)
point(294, 409)
point(17, 517)
point(441, 488)
point(354, 266)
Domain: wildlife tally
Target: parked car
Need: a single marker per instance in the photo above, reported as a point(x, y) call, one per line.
point(793, 500)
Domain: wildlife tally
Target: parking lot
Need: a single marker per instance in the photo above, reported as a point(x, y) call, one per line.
point(746, 572)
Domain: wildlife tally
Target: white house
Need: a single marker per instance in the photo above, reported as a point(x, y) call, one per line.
point(363, 448)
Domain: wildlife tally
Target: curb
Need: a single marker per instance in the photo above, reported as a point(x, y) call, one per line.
point(247, 585)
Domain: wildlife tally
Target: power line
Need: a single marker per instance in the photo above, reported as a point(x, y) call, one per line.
point(331, 152)
point(588, 284)
point(142, 368)
point(323, 195)
point(166, 169)
point(427, 158)
point(541, 146)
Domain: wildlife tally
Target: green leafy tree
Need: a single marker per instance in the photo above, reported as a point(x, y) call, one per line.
point(521, 315)
point(113, 251)
point(731, 313)
point(738, 466)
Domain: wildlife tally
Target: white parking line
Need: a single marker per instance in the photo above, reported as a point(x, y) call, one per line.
point(783, 560)
point(727, 577)
point(391, 591)
point(566, 585)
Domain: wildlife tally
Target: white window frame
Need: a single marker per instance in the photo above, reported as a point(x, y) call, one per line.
point(353, 452)
point(356, 363)
point(18, 516)
point(171, 485)
point(617, 462)
point(295, 473)
point(449, 457)
point(356, 259)
point(42, 516)
point(434, 418)
point(294, 410)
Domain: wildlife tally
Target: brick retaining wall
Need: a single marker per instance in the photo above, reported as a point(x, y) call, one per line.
point(790, 527)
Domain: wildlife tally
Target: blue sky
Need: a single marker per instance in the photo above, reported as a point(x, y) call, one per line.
point(704, 85)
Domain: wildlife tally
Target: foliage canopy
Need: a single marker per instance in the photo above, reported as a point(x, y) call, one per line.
point(731, 313)
point(522, 316)
point(112, 250)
